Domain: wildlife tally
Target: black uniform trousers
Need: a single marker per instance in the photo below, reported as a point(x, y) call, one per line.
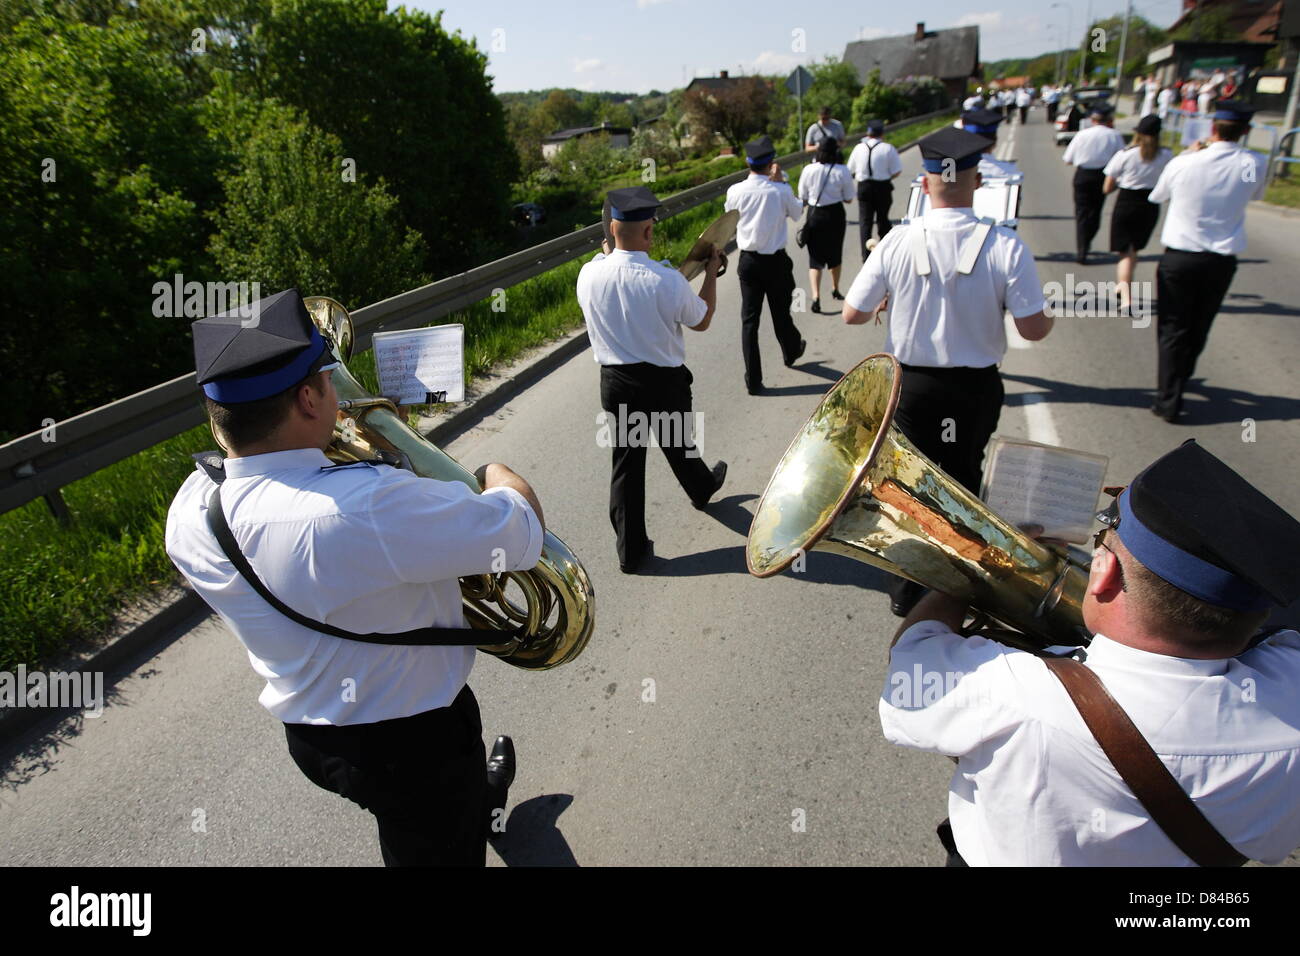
point(424, 777)
point(1024, 115)
point(1051, 112)
point(950, 414)
point(875, 196)
point(650, 390)
point(1190, 287)
point(770, 276)
point(1088, 199)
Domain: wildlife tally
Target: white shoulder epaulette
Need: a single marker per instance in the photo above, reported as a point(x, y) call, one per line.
point(970, 251)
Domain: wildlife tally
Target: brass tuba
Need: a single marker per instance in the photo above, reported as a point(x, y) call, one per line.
point(557, 607)
point(852, 484)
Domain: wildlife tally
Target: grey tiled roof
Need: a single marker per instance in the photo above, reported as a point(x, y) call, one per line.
point(945, 54)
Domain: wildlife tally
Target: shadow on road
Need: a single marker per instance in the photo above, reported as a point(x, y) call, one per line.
point(532, 837)
point(1202, 404)
point(821, 370)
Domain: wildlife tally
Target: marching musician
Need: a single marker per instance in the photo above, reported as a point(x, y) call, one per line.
point(985, 123)
point(635, 309)
point(948, 280)
point(765, 202)
point(1207, 188)
point(1089, 152)
point(365, 548)
point(1187, 568)
point(825, 187)
point(875, 164)
point(1134, 172)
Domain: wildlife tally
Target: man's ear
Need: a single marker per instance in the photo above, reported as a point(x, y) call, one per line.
point(1104, 578)
point(979, 179)
point(925, 185)
point(649, 230)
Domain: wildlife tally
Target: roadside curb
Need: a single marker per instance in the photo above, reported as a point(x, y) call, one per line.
point(502, 387)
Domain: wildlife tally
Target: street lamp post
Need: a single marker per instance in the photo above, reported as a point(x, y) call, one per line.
point(1069, 20)
point(1083, 56)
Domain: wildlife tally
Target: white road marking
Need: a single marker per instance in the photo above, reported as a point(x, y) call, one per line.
point(1038, 419)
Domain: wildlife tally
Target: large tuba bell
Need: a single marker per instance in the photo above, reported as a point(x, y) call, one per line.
point(556, 609)
point(852, 484)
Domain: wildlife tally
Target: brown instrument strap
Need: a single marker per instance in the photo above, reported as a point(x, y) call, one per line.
point(1149, 779)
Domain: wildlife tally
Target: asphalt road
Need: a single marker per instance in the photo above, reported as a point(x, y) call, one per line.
point(764, 690)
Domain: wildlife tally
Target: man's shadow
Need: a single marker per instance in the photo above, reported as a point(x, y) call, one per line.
point(532, 836)
point(1202, 404)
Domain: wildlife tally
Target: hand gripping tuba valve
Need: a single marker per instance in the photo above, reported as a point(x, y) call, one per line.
point(556, 610)
point(852, 484)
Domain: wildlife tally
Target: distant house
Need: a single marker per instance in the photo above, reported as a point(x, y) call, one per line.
point(693, 133)
point(950, 56)
point(620, 137)
point(1255, 20)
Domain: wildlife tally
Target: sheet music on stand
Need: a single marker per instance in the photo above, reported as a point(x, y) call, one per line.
point(422, 366)
point(1058, 488)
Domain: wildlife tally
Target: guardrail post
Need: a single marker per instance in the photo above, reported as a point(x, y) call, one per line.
point(58, 507)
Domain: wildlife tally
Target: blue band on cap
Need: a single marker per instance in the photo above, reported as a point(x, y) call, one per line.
point(982, 130)
point(1185, 571)
point(936, 165)
point(761, 160)
point(637, 215)
point(232, 391)
point(1233, 116)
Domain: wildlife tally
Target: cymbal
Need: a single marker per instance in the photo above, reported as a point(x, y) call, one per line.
point(720, 233)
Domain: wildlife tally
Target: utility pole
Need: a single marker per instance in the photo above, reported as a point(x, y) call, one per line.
point(1119, 64)
point(1087, 34)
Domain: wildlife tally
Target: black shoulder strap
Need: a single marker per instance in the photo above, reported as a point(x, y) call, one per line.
point(421, 637)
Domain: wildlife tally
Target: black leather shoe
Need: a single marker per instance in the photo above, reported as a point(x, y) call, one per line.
point(817, 305)
point(719, 476)
point(501, 765)
point(756, 389)
point(903, 595)
point(1169, 416)
point(803, 347)
point(645, 563)
point(835, 294)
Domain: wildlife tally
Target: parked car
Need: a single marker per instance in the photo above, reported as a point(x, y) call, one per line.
point(528, 214)
point(1073, 114)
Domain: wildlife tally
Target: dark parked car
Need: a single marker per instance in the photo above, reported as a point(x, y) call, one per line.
point(528, 214)
point(1073, 115)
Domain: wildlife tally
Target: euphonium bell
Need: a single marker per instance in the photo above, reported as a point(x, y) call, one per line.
point(852, 484)
point(556, 616)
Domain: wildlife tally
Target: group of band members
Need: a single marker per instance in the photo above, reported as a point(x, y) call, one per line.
point(327, 576)
point(1207, 189)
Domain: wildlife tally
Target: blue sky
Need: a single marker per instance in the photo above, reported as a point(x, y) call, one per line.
point(639, 45)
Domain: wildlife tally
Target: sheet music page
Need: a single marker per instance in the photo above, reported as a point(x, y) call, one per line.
point(1054, 487)
point(422, 366)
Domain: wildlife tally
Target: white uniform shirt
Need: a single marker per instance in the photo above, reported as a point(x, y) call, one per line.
point(819, 131)
point(1130, 172)
point(945, 319)
point(972, 103)
point(1023, 98)
point(365, 548)
point(1032, 786)
point(1093, 147)
point(635, 309)
point(1207, 192)
point(764, 208)
point(874, 159)
point(1051, 95)
point(829, 181)
point(1165, 99)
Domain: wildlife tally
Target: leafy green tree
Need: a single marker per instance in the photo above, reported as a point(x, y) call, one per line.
point(835, 84)
point(879, 101)
point(735, 112)
point(293, 215)
point(100, 157)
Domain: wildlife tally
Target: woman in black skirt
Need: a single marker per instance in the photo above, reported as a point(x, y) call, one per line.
point(1134, 172)
point(826, 187)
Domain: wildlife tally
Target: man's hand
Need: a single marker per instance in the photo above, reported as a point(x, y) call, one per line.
point(497, 475)
point(717, 262)
point(884, 304)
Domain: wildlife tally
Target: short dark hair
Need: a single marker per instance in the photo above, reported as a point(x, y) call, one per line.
point(1163, 601)
point(1230, 130)
point(247, 423)
point(828, 150)
point(824, 109)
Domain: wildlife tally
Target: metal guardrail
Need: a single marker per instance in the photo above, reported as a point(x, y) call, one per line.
point(1179, 118)
point(39, 464)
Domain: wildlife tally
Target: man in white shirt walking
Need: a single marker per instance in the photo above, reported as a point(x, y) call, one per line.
point(1089, 151)
point(948, 280)
point(875, 165)
point(766, 203)
point(381, 714)
point(636, 309)
point(1207, 188)
point(1189, 563)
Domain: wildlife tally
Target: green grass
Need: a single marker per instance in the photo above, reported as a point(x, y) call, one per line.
point(61, 584)
point(1284, 192)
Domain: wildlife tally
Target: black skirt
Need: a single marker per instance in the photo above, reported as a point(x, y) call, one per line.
point(826, 236)
point(1133, 220)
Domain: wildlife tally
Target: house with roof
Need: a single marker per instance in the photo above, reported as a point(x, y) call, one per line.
point(950, 56)
point(620, 137)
